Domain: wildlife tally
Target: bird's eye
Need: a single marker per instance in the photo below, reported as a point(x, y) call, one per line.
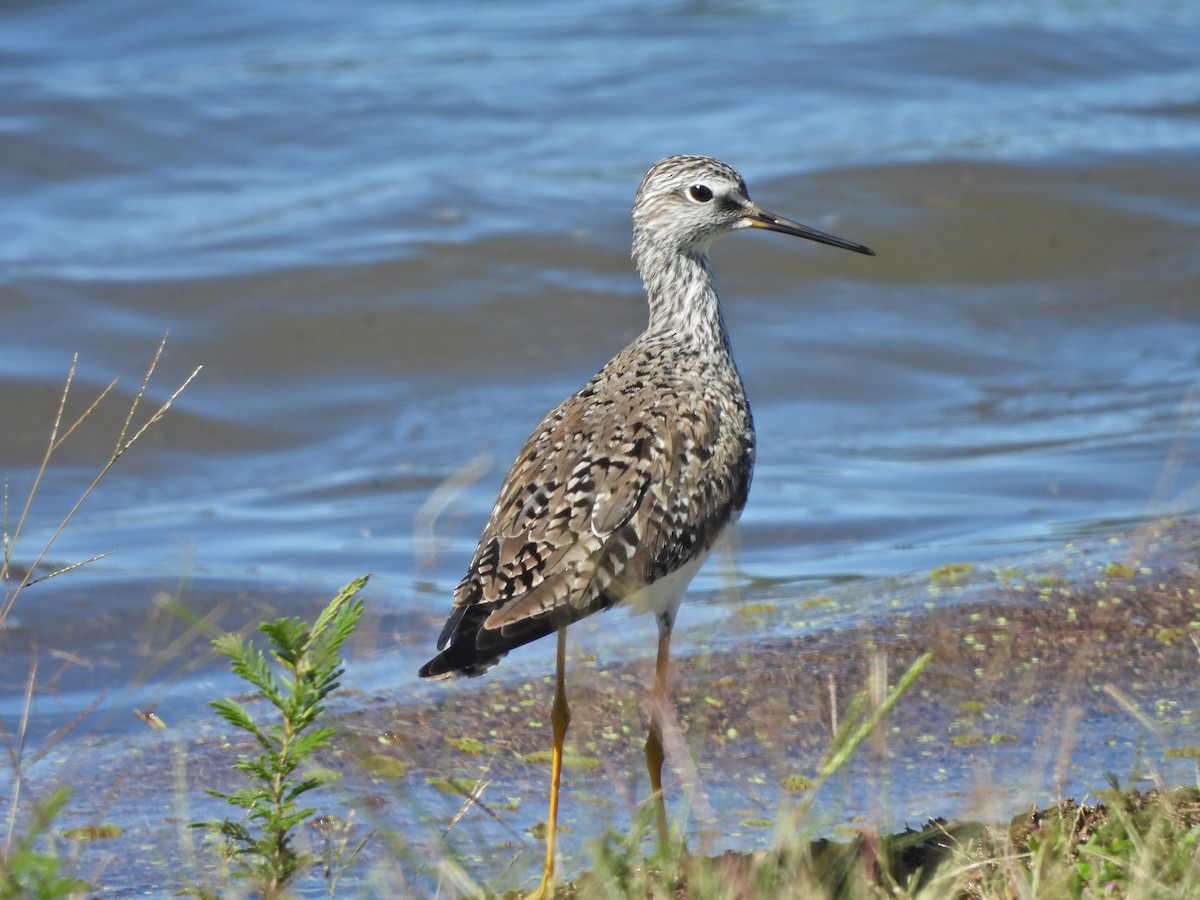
point(699, 193)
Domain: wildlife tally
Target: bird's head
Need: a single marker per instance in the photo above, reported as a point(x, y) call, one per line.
point(684, 203)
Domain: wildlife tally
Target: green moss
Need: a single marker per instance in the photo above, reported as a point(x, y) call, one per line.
point(796, 783)
point(383, 766)
point(469, 745)
point(93, 832)
point(951, 574)
point(750, 610)
point(325, 774)
point(570, 760)
point(458, 787)
point(756, 823)
point(967, 740)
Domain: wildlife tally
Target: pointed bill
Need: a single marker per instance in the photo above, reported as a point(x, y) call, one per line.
point(759, 218)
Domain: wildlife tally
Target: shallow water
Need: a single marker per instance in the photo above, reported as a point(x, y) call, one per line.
point(394, 237)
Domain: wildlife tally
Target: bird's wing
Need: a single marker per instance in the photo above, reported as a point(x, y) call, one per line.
point(565, 528)
point(621, 484)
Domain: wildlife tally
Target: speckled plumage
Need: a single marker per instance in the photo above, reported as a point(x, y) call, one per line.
point(637, 475)
point(619, 494)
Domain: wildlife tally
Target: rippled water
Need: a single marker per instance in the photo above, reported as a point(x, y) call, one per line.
point(394, 235)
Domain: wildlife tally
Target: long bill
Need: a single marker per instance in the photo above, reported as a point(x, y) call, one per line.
point(759, 218)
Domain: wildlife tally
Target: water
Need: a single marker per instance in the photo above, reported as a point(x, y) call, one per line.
point(394, 235)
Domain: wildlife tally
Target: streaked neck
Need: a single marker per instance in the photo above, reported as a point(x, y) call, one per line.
point(683, 297)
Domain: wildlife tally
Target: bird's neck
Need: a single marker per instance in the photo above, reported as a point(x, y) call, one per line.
point(683, 298)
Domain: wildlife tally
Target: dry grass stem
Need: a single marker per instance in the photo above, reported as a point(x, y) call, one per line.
point(57, 437)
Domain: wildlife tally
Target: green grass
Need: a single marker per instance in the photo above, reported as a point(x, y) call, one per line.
point(1126, 844)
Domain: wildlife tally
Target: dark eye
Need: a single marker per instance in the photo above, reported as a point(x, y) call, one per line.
point(700, 193)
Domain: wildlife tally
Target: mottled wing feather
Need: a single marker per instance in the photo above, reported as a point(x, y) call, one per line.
point(626, 481)
point(557, 533)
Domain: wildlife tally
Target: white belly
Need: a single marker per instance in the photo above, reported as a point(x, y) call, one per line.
point(664, 595)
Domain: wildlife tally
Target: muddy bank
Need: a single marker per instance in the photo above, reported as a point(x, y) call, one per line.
point(1046, 675)
point(1016, 649)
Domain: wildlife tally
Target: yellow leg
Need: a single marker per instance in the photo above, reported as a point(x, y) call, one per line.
point(560, 718)
point(654, 745)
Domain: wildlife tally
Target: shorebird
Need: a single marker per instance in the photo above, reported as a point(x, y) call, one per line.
point(623, 489)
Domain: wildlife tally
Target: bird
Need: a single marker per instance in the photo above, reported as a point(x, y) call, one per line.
point(624, 488)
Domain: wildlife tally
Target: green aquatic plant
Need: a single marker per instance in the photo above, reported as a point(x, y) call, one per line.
point(951, 574)
point(261, 843)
